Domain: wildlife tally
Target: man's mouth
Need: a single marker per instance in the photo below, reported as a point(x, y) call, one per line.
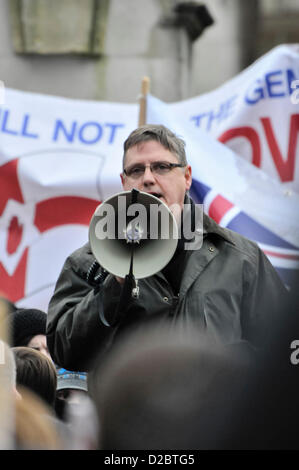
point(158, 195)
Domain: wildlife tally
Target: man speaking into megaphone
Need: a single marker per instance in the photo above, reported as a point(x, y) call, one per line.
point(222, 285)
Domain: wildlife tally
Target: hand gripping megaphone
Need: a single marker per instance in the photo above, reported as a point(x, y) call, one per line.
point(133, 232)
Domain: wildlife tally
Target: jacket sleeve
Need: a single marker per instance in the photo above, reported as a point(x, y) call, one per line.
point(75, 332)
point(264, 302)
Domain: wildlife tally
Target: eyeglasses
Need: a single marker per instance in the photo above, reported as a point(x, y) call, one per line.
point(158, 168)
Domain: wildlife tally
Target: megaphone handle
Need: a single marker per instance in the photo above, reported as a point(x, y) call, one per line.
point(125, 298)
point(131, 260)
point(126, 292)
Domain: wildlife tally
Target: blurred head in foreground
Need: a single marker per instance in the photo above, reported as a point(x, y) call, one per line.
point(162, 389)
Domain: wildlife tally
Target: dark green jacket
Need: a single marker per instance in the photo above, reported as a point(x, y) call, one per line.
point(228, 289)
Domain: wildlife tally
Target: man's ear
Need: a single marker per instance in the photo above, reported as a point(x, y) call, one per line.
point(188, 177)
point(122, 178)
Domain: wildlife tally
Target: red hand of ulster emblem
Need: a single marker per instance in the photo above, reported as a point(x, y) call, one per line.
point(15, 231)
point(23, 222)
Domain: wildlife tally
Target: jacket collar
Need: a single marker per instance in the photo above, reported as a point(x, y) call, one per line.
point(211, 227)
point(197, 263)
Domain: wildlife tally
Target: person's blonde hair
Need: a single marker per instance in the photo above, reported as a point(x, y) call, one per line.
point(34, 424)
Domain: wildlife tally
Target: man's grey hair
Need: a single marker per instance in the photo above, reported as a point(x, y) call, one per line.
point(161, 134)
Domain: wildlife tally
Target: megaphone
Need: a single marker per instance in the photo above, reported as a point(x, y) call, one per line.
point(133, 230)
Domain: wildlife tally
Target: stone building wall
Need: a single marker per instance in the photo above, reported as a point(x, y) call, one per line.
point(101, 49)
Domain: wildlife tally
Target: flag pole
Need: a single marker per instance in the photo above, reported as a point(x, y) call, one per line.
point(145, 85)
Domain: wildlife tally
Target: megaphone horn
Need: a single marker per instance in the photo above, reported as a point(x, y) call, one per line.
point(115, 233)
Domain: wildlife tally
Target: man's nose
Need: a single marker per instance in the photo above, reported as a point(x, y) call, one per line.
point(148, 176)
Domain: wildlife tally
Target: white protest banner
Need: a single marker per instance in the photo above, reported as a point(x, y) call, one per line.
point(237, 194)
point(58, 159)
point(256, 114)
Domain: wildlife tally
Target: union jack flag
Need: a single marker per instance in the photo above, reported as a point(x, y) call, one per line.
point(283, 255)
